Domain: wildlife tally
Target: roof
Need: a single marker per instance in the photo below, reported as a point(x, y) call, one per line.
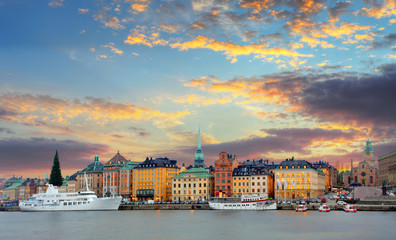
point(322, 164)
point(130, 165)
point(249, 168)
point(291, 162)
point(118, 159)
point(158, 162)
point(96, 166)
point(14, 186)
point(197, 172)
point(73, 177)
point(387, 155)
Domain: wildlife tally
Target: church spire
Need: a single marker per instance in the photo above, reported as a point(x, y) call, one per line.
point(199, 157)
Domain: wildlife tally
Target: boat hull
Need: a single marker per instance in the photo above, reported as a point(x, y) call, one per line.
point(242, 206)
point(99, 204)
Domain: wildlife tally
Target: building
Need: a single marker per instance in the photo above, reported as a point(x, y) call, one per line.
point(11, 193)
point(253, 177)
point(195, 183)
point(152, 179)
point(94, 173)
point(365, 174)
point(111, 175)
point(298, 179)
point(126, 180)
point(72, 183)
point(224, 167)
point(330, 172)
point(387, 170)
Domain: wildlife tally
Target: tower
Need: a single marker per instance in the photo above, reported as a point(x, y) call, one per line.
point(199, 157)
point(368, 154)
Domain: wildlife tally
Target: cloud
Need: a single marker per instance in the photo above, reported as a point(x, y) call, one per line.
point(109, 20)
point(140, 37)
point(19, 154)
point(140, 131)
point(234, 50)
point(379, 10)
point(6, 130)
point(388, 40)
point(82, 10)
point(113, 49)
point(96, 110)
point(338, 10)
point(197, 25)
point(56, 3)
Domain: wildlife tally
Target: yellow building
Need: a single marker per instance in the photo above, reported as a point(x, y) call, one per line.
point(241, 185)
point(152, 179)
point(298, 179)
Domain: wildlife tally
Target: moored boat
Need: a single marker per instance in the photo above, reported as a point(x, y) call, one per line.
point(324, 208)
point(52, 200)
point(350, 208)
point(246, 202)
point(301, 208)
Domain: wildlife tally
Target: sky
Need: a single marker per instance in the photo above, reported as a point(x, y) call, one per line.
point(268, 79)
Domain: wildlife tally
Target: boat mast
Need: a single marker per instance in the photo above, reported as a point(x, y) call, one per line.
point(86, 181)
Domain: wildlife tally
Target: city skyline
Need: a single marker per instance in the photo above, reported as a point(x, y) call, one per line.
point(262, 79)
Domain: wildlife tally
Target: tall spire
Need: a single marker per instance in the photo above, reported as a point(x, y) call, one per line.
point(199, 157)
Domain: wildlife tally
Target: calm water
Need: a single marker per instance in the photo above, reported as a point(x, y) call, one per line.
point(197, 225)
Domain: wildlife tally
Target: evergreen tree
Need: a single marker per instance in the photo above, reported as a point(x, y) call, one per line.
point(56, 175)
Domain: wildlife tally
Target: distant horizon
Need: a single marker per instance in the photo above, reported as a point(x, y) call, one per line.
point(313, 79)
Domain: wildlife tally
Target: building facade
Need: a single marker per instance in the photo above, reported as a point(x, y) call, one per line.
point(111, 175)
point(298, 179)
point(224, 167)
point(330, 172)
point(253, 177)
point(152, 179)
point(366, 173)
point(126, 180)
point(94, 173)
point(387, 170)
point(194, 184)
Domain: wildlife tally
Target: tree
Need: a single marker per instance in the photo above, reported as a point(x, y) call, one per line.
point(56, 175)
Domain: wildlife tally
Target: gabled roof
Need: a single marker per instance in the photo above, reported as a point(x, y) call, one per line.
point(118, 159)
point(158, 162)
point(197, 172)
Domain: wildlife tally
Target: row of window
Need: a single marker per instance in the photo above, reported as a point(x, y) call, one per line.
point(223, 175)
point(292, 174)
point(223, 181)
point(292, 167)
point(189, 192)
point(189, 185)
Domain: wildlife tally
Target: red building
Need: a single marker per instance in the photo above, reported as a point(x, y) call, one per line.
point(223, 174)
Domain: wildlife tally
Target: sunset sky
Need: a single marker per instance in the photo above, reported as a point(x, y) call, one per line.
point(265, 79)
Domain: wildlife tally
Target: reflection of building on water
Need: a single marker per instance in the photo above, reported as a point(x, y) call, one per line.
point(366, 173)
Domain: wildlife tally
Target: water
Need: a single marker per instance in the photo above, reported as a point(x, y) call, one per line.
point(186, 225)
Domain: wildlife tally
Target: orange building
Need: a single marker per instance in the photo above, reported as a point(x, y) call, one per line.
point(126, 179)
point(223, 174)
point(152, 179)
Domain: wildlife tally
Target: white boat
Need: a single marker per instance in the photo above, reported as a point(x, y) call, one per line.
point(246, 202)
point(324, 208)
point(301, 208)
point(350, 208)
point(52, 200)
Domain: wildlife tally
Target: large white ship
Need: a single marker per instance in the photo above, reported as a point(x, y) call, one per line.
point(52, 200)
point(246, 202)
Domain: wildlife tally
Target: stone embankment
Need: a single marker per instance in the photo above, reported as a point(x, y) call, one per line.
point(165, 207)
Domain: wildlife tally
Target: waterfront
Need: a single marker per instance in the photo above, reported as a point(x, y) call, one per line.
point(192, 225)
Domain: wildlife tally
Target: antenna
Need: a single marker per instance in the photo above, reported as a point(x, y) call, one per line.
point(86, 181)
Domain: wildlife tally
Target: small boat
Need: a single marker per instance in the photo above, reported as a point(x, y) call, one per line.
point(246, 202)
point(301, 208)
point(53, 200)
point(324, 208)
point(350, 208)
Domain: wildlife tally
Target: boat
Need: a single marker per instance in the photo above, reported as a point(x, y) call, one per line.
point(301, 208)
point(52, 200)
point(350, 208)
point(245, 202)
point(324, 208)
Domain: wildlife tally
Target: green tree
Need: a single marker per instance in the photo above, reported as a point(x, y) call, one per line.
point(56, 175)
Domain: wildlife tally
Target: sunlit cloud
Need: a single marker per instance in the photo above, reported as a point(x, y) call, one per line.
point(56, 3)
point(82, 10)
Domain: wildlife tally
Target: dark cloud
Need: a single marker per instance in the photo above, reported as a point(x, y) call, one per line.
point(339, 9)
point(273, 36)
point(387, 41)
point(140, 131)
point(4, 114)
point(38, 153)
point(249, 34)
point(287, 141)
point(6, 130)
point(368, 99)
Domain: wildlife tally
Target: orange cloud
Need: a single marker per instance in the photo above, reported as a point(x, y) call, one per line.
point(256, 5)
point(137, 36)
point(139, 7)
point(233, 50)
point(388, 9)
point(113, 49)
point(109, 21)
point(201, 100)
point(313, 42)
point(56, 3)
point(82, 11)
